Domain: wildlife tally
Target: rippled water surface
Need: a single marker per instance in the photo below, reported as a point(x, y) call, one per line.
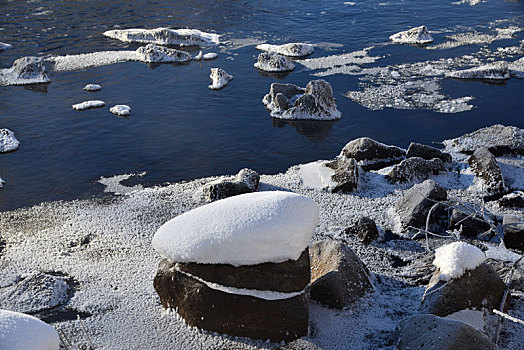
point(179, 129)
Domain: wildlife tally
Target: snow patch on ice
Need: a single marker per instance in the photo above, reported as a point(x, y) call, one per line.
point(8, 141)
point(347, 61)
point(88, 104)
point(113, 183)
point(92, 87)
point(165, 36)
point(455, 258)
point(121, 110)
point(20, 331)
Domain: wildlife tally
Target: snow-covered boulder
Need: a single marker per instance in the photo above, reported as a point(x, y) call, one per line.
point(23, 332)
point(290, 50)
point(415, 169)
point(417, 35)
point(492, 71)
point(165, 36)
point(4, 46)
point(219, 78)
point(92, 87)
point(454, 259)
point(8, 141)
point(246, 181)
point(25, 70)
point(338, 277)
point(427, 152)
point(372, 155)
point(152, 53)
point(88, 104)
point(316, 102)
point(345, 176)
point(513, 227)
point(486, 168)
point(273, 62)
point(121, 110)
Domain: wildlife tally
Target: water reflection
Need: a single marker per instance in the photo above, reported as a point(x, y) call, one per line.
point(312, 129)
point(275, 75)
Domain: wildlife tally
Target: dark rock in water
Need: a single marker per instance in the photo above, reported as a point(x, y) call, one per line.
point(427, 152)
point(346, 174)
point(288, 276)
point(246, 181)
point(479, 289)
point(215, 310)
point(415, 169)
point(25, 70)
point(485, 166)
point(416, 203)
point(472, 225)
point(425, 331)
point(338, 277)
point(273, 62)
point(365, 229)
point(372, 155)
point(249, 177)
point(513, 227)
point(512, 200)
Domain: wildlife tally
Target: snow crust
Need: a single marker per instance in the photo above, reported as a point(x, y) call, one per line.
point(113, 183)
point(417, 35)
point(8, 141)
point(248, 229)
point(165, 36)
point(92, 87)
point(23, 332)
point(5, 46)
point(88, 104)
point(291, 49)
point(492, 71)
point(317, 176)
point(219, 78)
point(94, 59)
point(121, 110)
point(455, 258)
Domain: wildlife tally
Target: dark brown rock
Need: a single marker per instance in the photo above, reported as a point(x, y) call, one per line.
point(372, 155)
point(365, 229)
point(513, 227)
point(415, 169)
point(512, 200)
point(346, 174)
point(427, 152)
point(484, 165)
point(338, 277)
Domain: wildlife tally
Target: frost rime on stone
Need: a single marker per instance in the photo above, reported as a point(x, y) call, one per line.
point(417, 35)
point(152, 53)
point(8, 141)
point(165, 36)
point(455, 258)
point(25, 70)
point(219, 78)
point(273, 62)
point(291, 49)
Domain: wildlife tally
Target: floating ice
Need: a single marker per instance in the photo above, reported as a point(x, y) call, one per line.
point(4, 46)
point(247, 229)
point(470, 2)
point(199, 56)
point(455, 105)
point(92, 87)
point(493, 71)
point(165, 36)
point(25, 70)
point(21, 331)
point(359, 57)
point(89, 104)
point(517, 68)
point(219, 78)
point(2, 182)
point(291, 49)
point(210, 56)
point(273, 62)
point(87, 60)
point(455, 258)
point(114, 184)
point(8, 141)
point(417, 35)
point(121, 110)
point(152, 53)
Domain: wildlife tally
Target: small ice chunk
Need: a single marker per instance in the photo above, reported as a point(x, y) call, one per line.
point(121, 110)
point(210, 56)
point(8, 141)
point(219, 78)
point(198, 57)
point(21, 331)
point(291, 49)
point(92, 87)
point(455, 258)
point(152, 53)
point(4, 46)
point(492, 71)
point(165, 36)
point(417, 35)
point(89, 104)
point(273, 62)
point(2, 182)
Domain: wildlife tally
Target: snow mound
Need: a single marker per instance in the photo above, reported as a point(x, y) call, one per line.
point(219, 78)
point(8, 141)
point(291, 49)
point(121, 110)
point(165, 36)
point(89, 104)
point(455, 258)
point(273, 62)
point(20, 331)
point(152, 53)
point(92, 87)
point(493, 71)
point(248, 229)
point(4, 46)
point(417, 35)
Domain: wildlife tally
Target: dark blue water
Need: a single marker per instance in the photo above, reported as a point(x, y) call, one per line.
point(179, 129)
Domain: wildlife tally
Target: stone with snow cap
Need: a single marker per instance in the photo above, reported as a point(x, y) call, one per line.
point(25, 70)
point(21, 331)
point(8, 141)
point(247, 229)
point(273, 62)
point(290, 50)
point(417, 35)
point(246, 181)
point(219, 78)
point(152, 53)
point(165, 36)
point(372, 155)
point(492, 71)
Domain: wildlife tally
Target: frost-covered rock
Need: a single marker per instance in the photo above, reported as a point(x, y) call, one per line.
point(417, 35)
point(246, 181)
point(92, 87)
point(469, 222)
point(365, 229)
point(426, 331)
point(291, 49)
point(338, 277)
point(512, 200)
point(219, 78)
point(516, 68)
point(20, 331)
point(415, 169)
point(485, 166)
point(25, 70)
point(427, 152)
point(513, 227)
point(346, 174)
point(247, 229)
point(121, 110)
point(8, 141)
point(165, 36)
point(273, 62)
point(286, 101)
point(152, 53)
point(454, 259)
point(372, 155)
point(4, 46)
point(88, 104)
point(250, 177)
point(492, 71)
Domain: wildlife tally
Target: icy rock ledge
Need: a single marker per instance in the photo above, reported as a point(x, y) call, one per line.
point(291, 49)
point(315, 102)
point(493, 71)
point(88, 104)
point(4, 46)
point(25, 70)
point(8, 141)
point(152, 53)
point(273, 62)
point(165, 36)
point(219, 78)
point(120, 110)
point(92, 87)
point(21, 331)
point(417, 35)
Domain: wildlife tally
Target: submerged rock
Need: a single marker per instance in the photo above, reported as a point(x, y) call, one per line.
point(219, 78)
point(290, 50)
point(346, 174)
point(485, 166)
point(315, 102)
point(165, 36)
point(89, 104)
point(152, 53)
point(372, 155)
point(273, 62)
point(121, 110)
point(427, 152)
point(92, 87)
point(415, 169)
point(25, 70)
point(492, 71)
point(417, 35)
point(8, 141)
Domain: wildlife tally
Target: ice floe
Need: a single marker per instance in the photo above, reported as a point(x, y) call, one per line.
point(219, 78)
point(206, 57)
point(25, 70)
point(417, 35)
point(92, 87)
point(21, 331)
point(516, 68)
point(335, 64)
point(8, 141)
point(94, 59)
point(88, 104)
point(121, 110)
point(291, 49)
point(470, 2)
point(273, 62)
point(113, 184)
point(152, 53)
point(4, 46)
point(165, 36)
point(491, 71)
point(2, 182)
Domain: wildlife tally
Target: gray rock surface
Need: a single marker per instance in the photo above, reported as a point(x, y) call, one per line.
point(250, 177)
point(415, 169)
point(246, 181)
point(152, 53)
point(485, 166)
point(513, 227)
point(372, 155)
point(470, 223)
point(346, 174)
point(427, 152)
point(273, 62)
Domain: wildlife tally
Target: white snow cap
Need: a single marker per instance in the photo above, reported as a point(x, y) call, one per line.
point(121, 110)
point(248, 229)
point(23, 332)
point(89, 104)
point(455, 258)
point(8, 141)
